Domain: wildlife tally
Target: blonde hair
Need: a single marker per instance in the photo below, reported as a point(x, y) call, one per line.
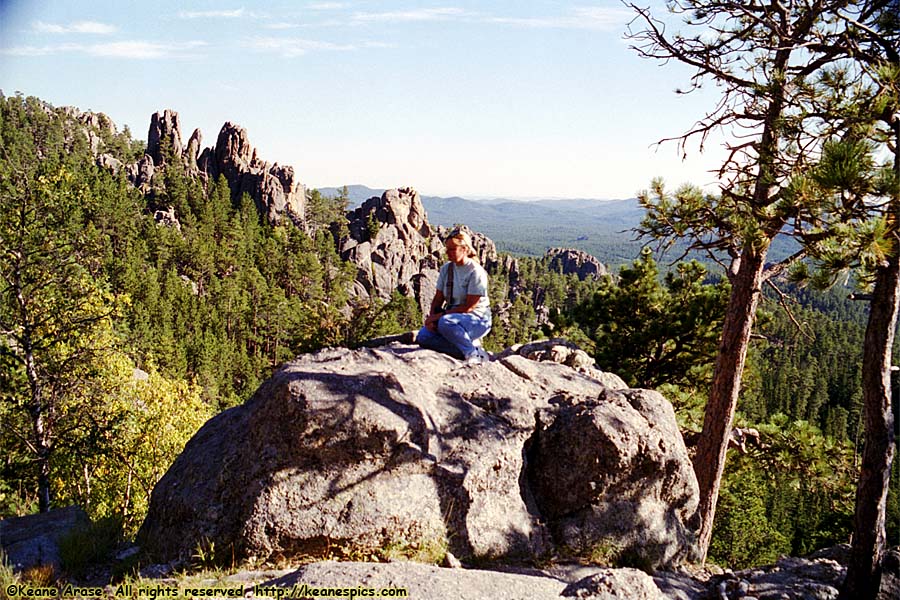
point(464, 238)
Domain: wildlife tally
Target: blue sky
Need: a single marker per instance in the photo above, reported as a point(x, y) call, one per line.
point(478, 99)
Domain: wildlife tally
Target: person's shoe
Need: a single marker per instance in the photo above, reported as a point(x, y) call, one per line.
point(478, 357)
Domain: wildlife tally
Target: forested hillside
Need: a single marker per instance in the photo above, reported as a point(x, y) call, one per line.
point(115, 325)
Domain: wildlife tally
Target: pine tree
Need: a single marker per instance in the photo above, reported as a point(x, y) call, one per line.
point(783, 51)
point(54, 311)
point(652, 333)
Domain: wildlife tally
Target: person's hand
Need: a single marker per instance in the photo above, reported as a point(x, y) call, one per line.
point(431, 322)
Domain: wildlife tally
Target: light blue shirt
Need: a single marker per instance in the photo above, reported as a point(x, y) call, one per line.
point(469, 279)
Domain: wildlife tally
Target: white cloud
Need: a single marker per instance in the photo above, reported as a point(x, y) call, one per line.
point(279, 26)
point(34, 50)
point(585, 17)
point(423, 14)
point(592, 17)
point(379, 45)
point(136, 49)
point(215, 14)
point(327, 6)
point(76, 27)
point(293, 47)
point(142, 50)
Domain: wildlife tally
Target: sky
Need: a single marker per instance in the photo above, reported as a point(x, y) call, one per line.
point(470, 98)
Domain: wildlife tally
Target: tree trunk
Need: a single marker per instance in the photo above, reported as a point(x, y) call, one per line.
point(709, 460)
point(869, 537)
point(38, 412)
point(864, 571)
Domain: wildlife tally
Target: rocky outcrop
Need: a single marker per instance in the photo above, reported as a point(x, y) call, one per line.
point(192, 151)
point(33, 540)
point(164, 137)
point(393, 247)
point(96, 129)
point(425, 581)
point(564, 352)
point(403, 447)
point(140, 173)
point(817, 577)
point(571, 261)
point(275, 189)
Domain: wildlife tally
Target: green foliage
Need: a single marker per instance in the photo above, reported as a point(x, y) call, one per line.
point(791, 494)
point(7, 576)
point(809, 366)
point(428, 551)
point(207, 309)
point(374, 318)
point(653, 333)
point(743, 535)
point(110, 464)
point(372, 226)
point(55, 308)
point(85, 547)
point(323, 212)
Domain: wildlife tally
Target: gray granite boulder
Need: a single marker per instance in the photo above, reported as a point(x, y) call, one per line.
point(407, 448)
point(33, 540)
point(425, 581)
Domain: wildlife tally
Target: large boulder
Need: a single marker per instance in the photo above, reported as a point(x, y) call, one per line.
point(650, 515)
point(426, 581)
point(403, 447)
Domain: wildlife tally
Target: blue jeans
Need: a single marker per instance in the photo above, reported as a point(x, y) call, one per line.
point(455, 335)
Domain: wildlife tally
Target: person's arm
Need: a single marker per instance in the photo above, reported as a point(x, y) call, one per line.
point(467, 306)
point(435, 314)
point(437, 302)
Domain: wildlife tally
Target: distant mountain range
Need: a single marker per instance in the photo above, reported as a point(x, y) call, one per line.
point(603, 228)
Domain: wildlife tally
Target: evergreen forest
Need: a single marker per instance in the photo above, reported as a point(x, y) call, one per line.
point(113, 326)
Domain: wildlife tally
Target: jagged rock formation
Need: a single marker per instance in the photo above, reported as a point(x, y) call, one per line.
point(140, 174)
point(395, 248)
point(94, 127)
point(370, 448)
point(274, 188)
point(164, 136)
point(570, 260)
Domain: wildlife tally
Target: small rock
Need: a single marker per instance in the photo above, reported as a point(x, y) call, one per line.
point(451, 562)
point(610, 584)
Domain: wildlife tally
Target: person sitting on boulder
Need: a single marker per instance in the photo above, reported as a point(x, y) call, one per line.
point(460, 311)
